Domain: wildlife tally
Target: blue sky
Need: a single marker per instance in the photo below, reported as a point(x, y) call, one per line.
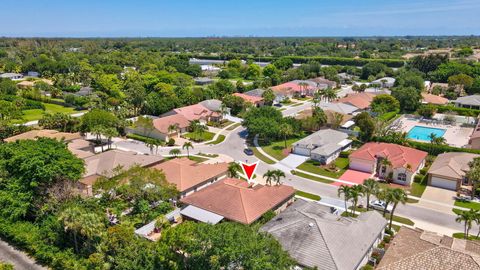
point(192, 18)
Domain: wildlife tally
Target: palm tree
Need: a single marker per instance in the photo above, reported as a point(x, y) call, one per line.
point(172, 128)
point(370, 186)
point(397, 196)
point(286, 130)
point(187, 145)
point(303, 87)
point(355, 193)
point(330, 94)
point(69, 218)
point(278, 175)
point(467, 218)
point(175, 152)
point(269, 175)
point(150, 144)
point(384, 195)
point(345, 190)
point(337, 119)
point(432, 137)
point(157, 143)
point(233, 169)
point(317, 98)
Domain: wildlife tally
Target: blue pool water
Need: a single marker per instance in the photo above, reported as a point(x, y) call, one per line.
point(423, 133)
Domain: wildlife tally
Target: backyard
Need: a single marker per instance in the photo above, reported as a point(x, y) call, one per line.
point(313, 167)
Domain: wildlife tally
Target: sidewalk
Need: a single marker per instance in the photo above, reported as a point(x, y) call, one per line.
point(285, 167)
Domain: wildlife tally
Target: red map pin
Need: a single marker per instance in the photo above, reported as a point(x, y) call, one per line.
point(249, 169)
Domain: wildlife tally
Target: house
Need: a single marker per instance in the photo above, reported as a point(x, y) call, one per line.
point(107, 163)
point(471, 102)
point(259, 93)
point(449, 169)
point(474, 140)
point(33, 74)
point(360, 100)
point(442, 86)
point(30, 84)
point(324, 145)
point(323, 83)
point(196, 112)
point(84, 91)
point(81, 148)
point(433, 99)
point(235, 200)
point(11, 76)
point(255, 101)
point(418, 249)
point(332, 120)
point(213, 105)
point(388, 160)
point(44, 133)
point(385, 82)
point(189, 176)
point(342, 108)
point(345, 78)
point(203, 81)
point(163, 127)
point(316, 238)
point(296, 88)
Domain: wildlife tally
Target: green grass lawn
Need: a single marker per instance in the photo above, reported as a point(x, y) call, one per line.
point(205, 136)
point(308, 195)
point(297, 104)
point(470, 205)
point(220, 139)
point(417, 189)
point(462, 236)
point(309, 166)
point(275, 149)
point(37, 114)
point(234, 126)
point(399, 219)
point(311, 177)
point(261, 157)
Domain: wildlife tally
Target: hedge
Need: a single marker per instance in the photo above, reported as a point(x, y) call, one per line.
point(459, 111)
point(138, 137)
point(325, 60)
point(432, 149)
point(387, 116)
point(29, 104)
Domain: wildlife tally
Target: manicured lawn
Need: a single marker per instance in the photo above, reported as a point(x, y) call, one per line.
point(37, 114)
point(220, 139)
point(311, 177)
point(205, 136)
point(297, 104)
point(309, 166)
point(462, 236)
point(417, 189)
point(261, 157)
point(399, 219)
point(192, 158)
point(275, 149)
point(308, 195)
point(470, 205)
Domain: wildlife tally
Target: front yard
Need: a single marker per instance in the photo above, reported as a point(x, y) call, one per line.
point(276, 149)
point(199, 137)
point(314, 167)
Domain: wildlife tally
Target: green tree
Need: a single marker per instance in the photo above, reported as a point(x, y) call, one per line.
point(145, 124)
point(253, 72)
point(233, 170)
point(370, 187)
point(175, 152)
point(285, 131)
point(427, 111)
point(269, 176)
point(467, 217)
point(396, 195)
point(473, 174)
point(187, 145)
point(408, 97)
point(8, 111)
point(59, 121)
point(384, 103)
point(346, 191)
point(268, 97)
point(355, 193)
point(278, 174)
point(366, 124)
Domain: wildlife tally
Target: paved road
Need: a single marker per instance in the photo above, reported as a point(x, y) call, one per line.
point(234, 144)
point(20, 260)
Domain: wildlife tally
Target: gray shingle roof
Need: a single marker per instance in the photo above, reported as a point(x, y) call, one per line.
point(473, 100)
point(255, 92)
point(315, 237)
point(323, 142)
point(338, 107)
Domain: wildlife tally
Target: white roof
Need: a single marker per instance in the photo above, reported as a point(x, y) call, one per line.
point(201, 215)
point(348, 124)
point(345, 142)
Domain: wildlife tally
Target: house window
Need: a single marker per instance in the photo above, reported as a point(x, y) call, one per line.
point(402, 177)
point(384, 169)
point(465, 181)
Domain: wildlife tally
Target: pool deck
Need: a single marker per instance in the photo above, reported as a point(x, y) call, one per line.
point(455, 135)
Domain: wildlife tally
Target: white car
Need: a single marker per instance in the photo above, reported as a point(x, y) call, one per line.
point(380, 205)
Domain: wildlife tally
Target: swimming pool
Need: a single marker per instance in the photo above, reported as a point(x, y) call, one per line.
point(423, 133)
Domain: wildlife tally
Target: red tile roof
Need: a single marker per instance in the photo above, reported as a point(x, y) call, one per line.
point(359, 100)
point(398, 155)
point(434, 99)
point(196, 112)
point(162, 123)
point(235, 200)
point(185, 173)
point(247, 98)
point(290, 87)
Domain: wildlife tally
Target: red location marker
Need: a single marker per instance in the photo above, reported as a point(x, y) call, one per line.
point(249, 169)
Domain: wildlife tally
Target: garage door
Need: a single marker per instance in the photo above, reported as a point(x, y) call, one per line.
point(301, 151)
point(442, 183)
point(360, 166)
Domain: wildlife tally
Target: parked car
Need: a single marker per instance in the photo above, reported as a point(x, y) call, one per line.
point(277, 105)
point(380, 205)
point(248, 151)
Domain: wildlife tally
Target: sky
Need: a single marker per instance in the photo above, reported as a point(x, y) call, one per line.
point(199, 18)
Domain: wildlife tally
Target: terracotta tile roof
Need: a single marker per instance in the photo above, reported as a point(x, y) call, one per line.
point(104, 163)
point(416, 249)
point(236, 201)
point(195, 112)
point(293, 86)
point(162, 123)
point(434, 99)
point(247, 98)
point(44, 133)
point(453, 164)
point(398, 155)
point(359, 100)
point(185, 173)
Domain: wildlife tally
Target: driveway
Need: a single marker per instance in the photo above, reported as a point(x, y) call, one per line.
point(436, 198)
point(293, 160)
point(354, 177)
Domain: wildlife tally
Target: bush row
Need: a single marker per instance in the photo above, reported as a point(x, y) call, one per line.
point(432, 149)
point(325, 60)
point(28, 104)
point(459, 111)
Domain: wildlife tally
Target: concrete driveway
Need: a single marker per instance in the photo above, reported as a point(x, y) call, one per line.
point(293, 160)
point(438, 199)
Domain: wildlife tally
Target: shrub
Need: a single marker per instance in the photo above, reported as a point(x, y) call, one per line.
point(138, 137)
point(388, 116)
point(459, 111)
point(387, 239)
point(418, 178)
point(171, 142)
point(432, 149)
point(345, 154)
point(367, 267)
point(424, 171)
point(388, 231)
